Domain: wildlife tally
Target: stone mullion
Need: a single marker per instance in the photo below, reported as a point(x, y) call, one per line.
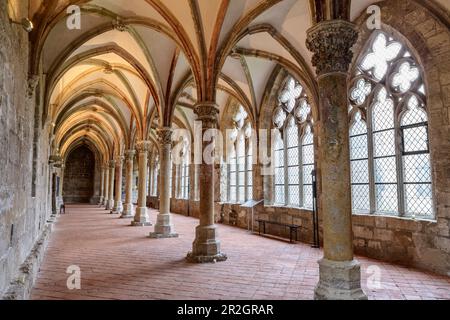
point(339, 273)
point(371, 164)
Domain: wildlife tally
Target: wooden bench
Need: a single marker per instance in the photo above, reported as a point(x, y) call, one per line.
point(293, 228)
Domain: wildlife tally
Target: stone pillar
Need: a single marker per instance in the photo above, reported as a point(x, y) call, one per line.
point(164, 227)
point(102, 187)
point(128, 209)
point(61, 183)
point(106, 186)
point(118, 205)
point(206, 246)
point(110, 203)
point(141, 217)
point(340, 275)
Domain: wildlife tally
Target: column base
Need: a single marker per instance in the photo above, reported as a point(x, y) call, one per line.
point(155, 235)
point(206, 247)
point(127, 212)
point(110, 205)
point(141, 219)
point(339, 280)
point(206, 259)
point(118, 208)
point(100, 202)
point(164, 227)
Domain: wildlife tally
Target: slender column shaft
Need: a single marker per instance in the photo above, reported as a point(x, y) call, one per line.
point(141, 218)
point(206, 246)
point(102, 186)
point(110, 203)
point(164, 227)
point(128, 210)
point(106, 186)
point(118, 205)
point(331, 42)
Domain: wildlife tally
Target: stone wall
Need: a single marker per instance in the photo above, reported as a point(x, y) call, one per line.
point(23, 210)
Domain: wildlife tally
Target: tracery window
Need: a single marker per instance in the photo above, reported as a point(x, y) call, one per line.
point(389, 150)
point(182, 170)
point(293, 147)
point(240, 163)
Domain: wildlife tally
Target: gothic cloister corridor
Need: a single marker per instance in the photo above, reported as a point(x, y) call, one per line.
point(120, 262)
point(166, 128)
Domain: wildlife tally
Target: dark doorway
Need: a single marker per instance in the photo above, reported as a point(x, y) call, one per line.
point(79, 176)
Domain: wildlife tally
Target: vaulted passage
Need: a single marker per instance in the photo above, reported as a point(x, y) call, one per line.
point(119, 262)
point(79, 176)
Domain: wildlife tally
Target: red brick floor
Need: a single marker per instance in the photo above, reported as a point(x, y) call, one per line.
point(119, 262)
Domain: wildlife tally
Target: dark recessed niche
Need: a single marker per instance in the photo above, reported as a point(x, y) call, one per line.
point(11, 235)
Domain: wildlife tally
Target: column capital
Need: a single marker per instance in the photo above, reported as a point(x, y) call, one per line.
point(143, 146)
point(119, 159)
point(208, 113)
point(129, 154)
point(165, 135)
point(331, 43)
point(112, 164)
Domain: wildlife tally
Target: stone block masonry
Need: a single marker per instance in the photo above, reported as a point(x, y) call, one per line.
point(24, 198)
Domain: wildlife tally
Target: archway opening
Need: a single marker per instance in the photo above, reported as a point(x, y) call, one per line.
point(79, 176)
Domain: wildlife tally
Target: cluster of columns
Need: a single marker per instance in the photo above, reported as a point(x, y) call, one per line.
point(330, 42)
point(111, 186)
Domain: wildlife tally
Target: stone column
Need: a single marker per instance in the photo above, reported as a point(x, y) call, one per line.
point(102, 187)
point(106, 186)
point(110, 204)
point(331, 43)
point(61, 184)
point(141, 217)
point(206, 246)
point(118, 205)
point(164, 227)
point(128, 209)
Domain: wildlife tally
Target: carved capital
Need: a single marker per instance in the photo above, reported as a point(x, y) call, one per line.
point(207, 113)
point(331, 43)
point(129, 155)
point(143, 146)
point(119, 159)
point(165, 136)
point(33, 81)
point(112, 164)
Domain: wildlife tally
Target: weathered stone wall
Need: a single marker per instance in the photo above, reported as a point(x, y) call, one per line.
point(23, 212)
point(79, 176)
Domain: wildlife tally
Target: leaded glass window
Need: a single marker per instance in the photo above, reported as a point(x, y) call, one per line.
point(293, 147)
point(240, 159)
point(389, 152)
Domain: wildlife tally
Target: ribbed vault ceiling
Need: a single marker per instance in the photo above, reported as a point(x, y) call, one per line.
point(138, 64)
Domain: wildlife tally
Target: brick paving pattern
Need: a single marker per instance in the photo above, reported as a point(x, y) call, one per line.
point(119, 262)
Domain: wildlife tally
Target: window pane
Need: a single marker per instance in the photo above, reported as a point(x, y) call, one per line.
point(360, 197)
point(415, 139)
point(386, 198)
